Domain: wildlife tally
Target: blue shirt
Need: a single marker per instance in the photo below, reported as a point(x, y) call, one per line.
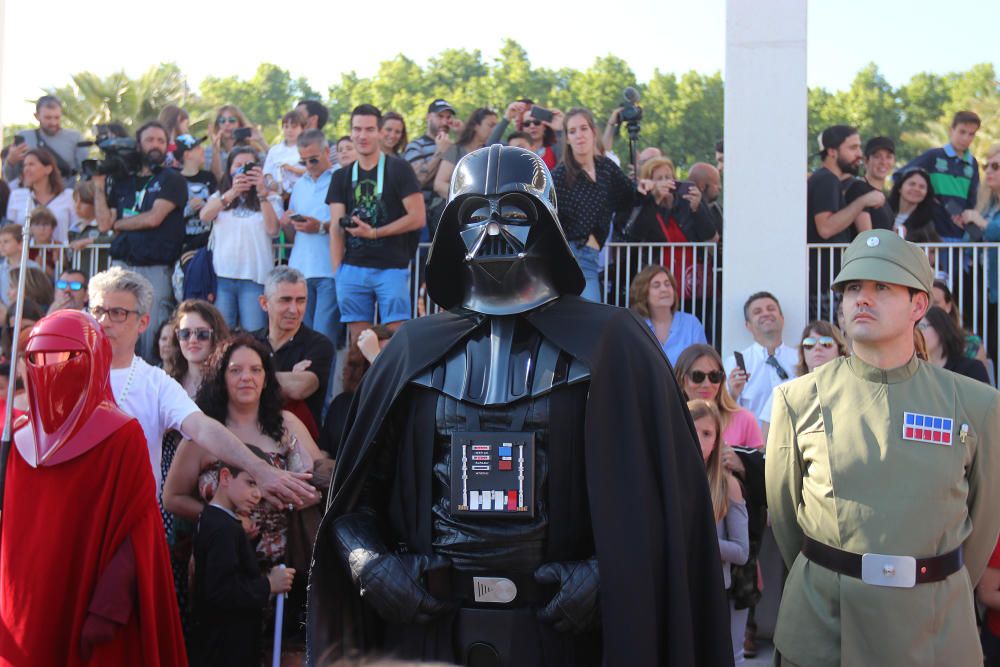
point(685, 330)
point(311, 252)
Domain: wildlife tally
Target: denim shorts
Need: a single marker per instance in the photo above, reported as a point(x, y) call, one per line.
point(360, 287)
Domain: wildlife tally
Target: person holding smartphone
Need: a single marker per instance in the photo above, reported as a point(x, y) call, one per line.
point(244, 216)
point(231, 128)
point(544, 128)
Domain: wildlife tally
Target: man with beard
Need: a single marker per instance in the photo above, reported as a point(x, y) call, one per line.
point(518, 482)
point(880, 158)
point(50, 134)
point(829, 219)
point(424, 155)
point(146, 211)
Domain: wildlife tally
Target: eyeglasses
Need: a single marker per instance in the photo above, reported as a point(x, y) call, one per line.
point(118, 315)
point(227, 119)
point(312, 160)
point(715, 377)
point(993, 166)
point(529, 123)
point(824, 342)
point(199, 334)
point(73, 284)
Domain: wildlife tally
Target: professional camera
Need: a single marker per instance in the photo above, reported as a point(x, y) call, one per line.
point(121, 158)
point(631, 111)
point(363, 215)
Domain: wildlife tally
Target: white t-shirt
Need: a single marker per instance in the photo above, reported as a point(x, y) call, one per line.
point(61, 206)
point(280, 154)
point(241, 246)
point(763, 377)
point(157, 401)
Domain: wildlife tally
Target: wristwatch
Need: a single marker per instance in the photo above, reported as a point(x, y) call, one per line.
point(324, 227)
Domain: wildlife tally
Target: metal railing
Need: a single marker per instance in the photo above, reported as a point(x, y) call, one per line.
point(969, 270)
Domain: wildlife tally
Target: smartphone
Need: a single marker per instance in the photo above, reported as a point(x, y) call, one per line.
point(18, 140)
point(541, 114)
point(242, 133)
point(739, 361)
point(298, 218)
point(681, 188)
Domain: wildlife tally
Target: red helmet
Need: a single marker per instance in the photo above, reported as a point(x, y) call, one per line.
point(70, 405)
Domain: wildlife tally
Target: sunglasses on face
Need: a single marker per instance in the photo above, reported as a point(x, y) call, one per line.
point(199, 334)
point(227, 119)
point(529, 123)
point(312, 160)
point(824, 342)
point(993, 166)
point(72, 284)
point(715, 377)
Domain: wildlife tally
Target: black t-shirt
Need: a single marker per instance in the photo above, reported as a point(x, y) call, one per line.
point(162, 244)
point(399, 182)
point(824, 194)
point(305, 344)
point(200, 186)
point(882, 217)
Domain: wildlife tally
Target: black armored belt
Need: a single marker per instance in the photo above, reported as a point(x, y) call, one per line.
point(883, 569)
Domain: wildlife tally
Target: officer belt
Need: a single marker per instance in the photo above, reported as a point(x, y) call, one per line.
point(883, 569)
point(508, 591)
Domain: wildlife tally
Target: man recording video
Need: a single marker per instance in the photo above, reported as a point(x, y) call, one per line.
point(146, 211)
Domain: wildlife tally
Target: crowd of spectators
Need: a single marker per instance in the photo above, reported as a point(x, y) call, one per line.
point(251, 366)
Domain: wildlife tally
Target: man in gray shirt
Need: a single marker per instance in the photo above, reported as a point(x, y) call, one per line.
point(49, 134)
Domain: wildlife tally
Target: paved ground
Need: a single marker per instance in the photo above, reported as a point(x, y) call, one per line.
point(764, 654)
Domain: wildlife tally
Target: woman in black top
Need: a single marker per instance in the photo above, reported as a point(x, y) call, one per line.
point(590, 189)
point(946, 345)
point(912, 200)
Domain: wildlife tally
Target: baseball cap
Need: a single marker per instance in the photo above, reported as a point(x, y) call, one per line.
point(440, 105)
point(883, 256)
point(879, 143)
point(833, 136)
point(185, 142)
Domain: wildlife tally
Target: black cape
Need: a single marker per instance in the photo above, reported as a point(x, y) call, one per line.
point(662, 596)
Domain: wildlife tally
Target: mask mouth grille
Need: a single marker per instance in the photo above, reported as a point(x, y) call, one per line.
point(497, 246)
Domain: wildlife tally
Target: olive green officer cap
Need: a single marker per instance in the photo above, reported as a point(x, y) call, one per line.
point(883, 256)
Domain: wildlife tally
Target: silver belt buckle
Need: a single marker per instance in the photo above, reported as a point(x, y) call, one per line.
point(494, 589)
point(893, 571)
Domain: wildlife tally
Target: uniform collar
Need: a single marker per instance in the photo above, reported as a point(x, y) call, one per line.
point(950, 151)
point(866, 371)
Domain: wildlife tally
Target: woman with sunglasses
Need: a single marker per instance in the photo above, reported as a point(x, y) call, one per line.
point(244, 214)
point(224, 139)
point(821, 342)
point(912, 200)
point(946, 345)
point(986, 217)
point(545, 137)
point(699, 373)
point(654, 297)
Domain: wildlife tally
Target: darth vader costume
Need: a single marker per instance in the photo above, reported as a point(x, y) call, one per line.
point(519, 481)
point(84, 570)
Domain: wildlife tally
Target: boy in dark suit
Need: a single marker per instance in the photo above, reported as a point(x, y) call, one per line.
point(230, 593)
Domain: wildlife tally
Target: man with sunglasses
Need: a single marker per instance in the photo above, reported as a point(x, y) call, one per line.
point(881, 477)
point(308, 220)
point(71, 292)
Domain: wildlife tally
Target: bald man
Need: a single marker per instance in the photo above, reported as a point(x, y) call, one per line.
point(647, 154)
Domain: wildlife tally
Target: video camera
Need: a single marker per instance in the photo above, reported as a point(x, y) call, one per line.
point(121, 154)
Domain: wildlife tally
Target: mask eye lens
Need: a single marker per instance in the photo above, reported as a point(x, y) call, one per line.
point(51, 358)
point(479, 215)
point(513, 213)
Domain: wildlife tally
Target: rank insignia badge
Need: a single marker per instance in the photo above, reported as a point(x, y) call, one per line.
point(927, 428)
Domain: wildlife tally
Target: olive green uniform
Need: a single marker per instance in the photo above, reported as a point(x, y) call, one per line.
point(840, 471)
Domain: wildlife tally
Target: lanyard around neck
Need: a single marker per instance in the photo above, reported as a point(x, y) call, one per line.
point(379, 174)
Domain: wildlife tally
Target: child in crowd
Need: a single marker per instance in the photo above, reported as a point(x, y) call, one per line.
point(230, 593)
point(345, 153)
point(10, 251)
point(730, 510)
point(519, 140)
point(201, 184)
point(43, 229)
point(281, 166)
point(86, 232)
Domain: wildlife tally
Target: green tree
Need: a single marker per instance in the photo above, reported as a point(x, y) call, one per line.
point(264, 98)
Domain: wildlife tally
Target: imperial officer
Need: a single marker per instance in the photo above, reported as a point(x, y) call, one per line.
point(881, 483)
point(519, 482)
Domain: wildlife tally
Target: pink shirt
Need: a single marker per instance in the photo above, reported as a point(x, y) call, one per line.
point(743, 430)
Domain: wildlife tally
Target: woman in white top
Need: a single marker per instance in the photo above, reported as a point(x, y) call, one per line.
point(41, 185)
point(243, 225)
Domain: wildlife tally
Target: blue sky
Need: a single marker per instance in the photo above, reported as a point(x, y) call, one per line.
point(320, 41)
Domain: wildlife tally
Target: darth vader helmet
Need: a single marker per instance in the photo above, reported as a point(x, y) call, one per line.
point(499, 248)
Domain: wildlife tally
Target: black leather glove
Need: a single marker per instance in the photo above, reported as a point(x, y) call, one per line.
point(389, 582)
point(575, 607)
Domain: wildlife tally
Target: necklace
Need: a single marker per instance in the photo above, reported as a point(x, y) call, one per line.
point(128, 381)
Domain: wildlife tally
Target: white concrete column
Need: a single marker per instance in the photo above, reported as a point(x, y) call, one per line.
point(765, 168)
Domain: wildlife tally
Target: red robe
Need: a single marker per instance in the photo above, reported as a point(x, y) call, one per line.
point(61, 525)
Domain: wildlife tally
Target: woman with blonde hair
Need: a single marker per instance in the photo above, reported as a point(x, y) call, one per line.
point(730, 510)
point(655, 298)
point(225, 138)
